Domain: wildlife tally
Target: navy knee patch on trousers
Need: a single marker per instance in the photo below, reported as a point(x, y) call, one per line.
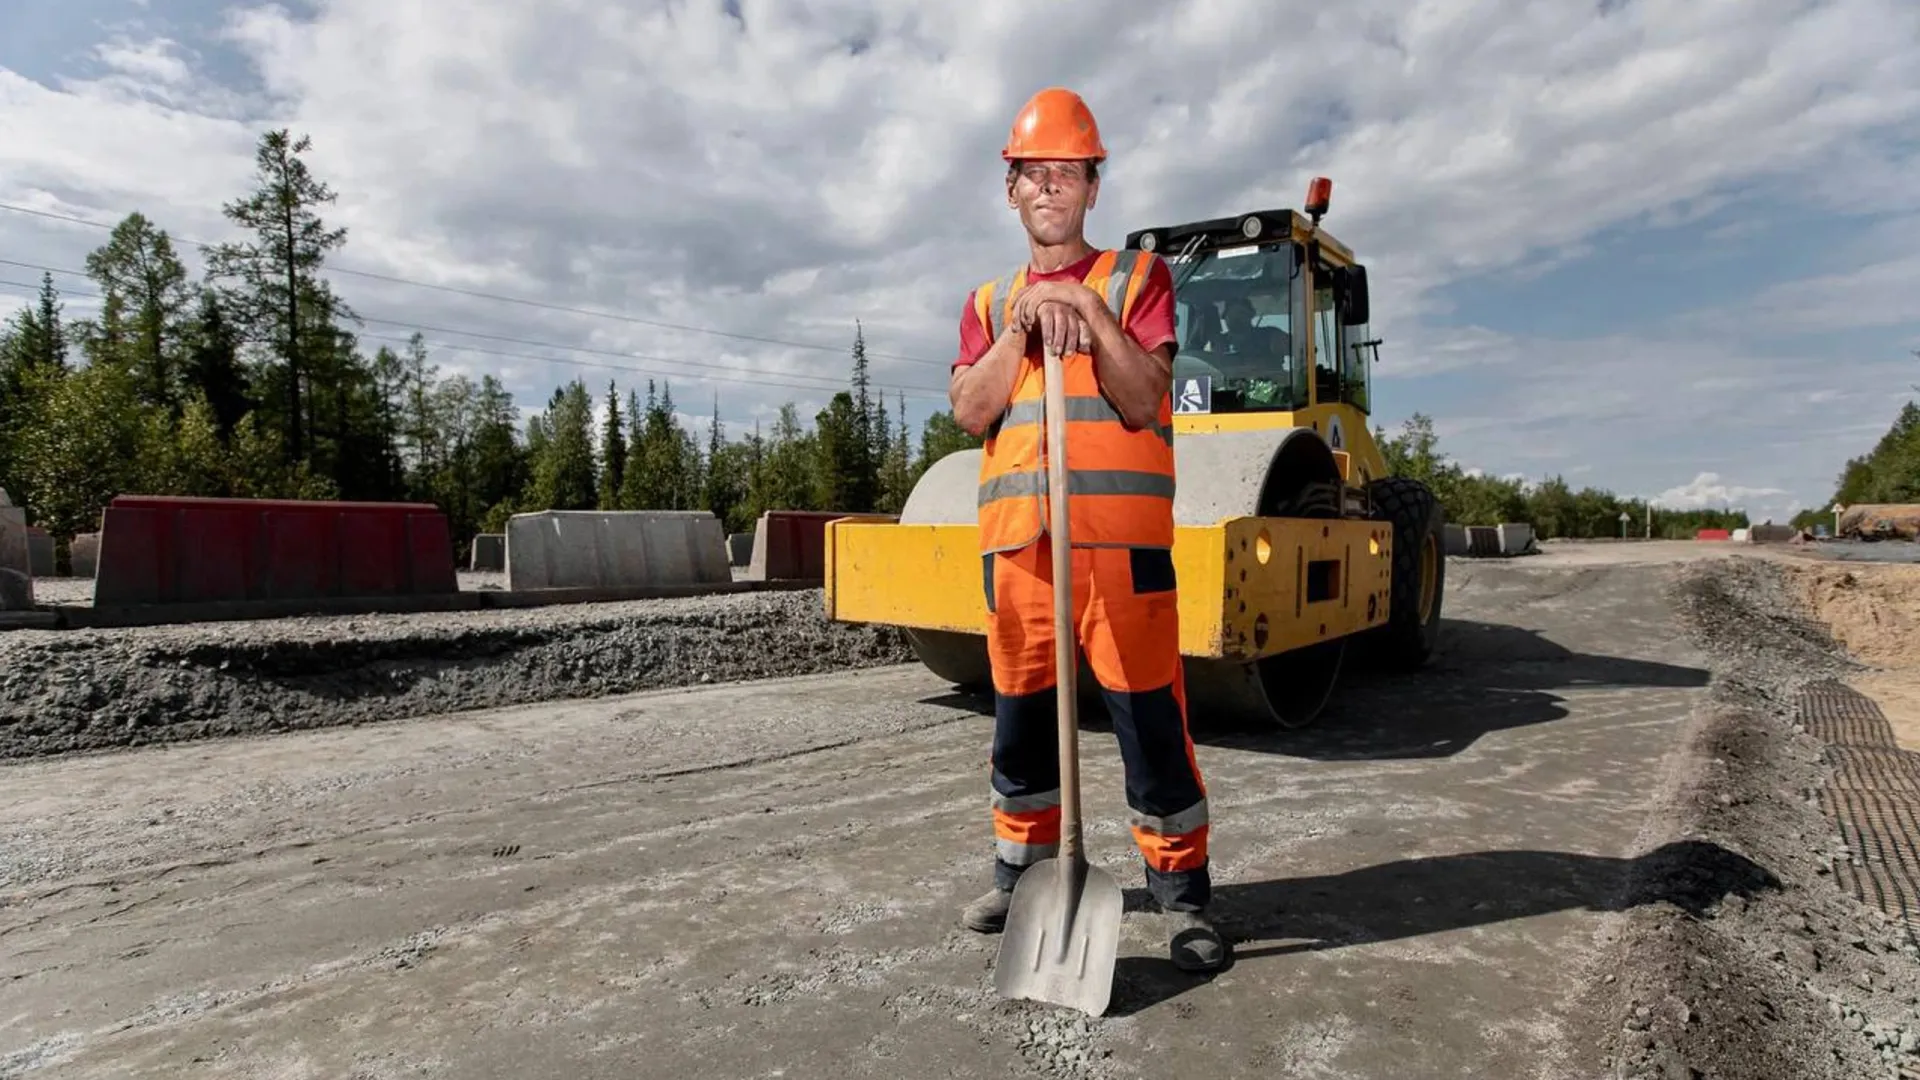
point(1153, 746)
point(1152, 570)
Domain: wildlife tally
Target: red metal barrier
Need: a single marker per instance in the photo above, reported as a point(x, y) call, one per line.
point(1713, 534)
point(161, 549)
point(791, 545)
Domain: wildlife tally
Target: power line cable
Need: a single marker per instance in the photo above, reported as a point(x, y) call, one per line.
point(754, 379)
point(830, 380)
point(503, 299)
point(910, 391)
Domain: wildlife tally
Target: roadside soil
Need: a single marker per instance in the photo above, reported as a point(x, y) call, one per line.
point(1798, 978)
point(1874, 611)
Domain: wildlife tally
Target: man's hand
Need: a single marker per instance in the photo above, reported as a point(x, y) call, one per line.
point(1058, 310)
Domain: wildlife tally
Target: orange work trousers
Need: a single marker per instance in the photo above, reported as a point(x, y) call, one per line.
point(1126, 620)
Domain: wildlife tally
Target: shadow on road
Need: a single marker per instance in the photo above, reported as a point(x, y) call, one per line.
point(1414, 897)
point(1486, 677)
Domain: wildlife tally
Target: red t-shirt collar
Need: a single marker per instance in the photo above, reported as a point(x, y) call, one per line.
point(1077, 270)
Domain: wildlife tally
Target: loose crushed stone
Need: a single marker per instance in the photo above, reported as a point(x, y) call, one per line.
point(1790, 976)
point(73, 690)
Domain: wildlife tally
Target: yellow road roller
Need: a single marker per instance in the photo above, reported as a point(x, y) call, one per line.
point(1292, 543)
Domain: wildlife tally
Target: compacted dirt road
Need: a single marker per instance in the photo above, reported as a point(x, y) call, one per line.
point(760, 880)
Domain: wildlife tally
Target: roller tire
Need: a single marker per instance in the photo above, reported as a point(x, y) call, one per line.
point(1408, 639)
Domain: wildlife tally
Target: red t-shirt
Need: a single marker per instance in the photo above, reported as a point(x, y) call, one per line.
point(1150, 323)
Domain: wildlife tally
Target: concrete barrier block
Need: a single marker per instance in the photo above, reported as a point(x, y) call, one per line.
point(16, 565)
point(1516, 539)
point(561, 549)
point(489, 552)
point(40, 552)
point(791, 545)
point(181, 550)
point(740, 548)
point(1483, 541)
point(84, 554)
point(1455, 537)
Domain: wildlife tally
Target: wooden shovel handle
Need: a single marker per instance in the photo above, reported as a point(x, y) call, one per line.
point(1066, 657)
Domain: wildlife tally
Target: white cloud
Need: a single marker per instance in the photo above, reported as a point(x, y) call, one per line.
point(835, 161)
point(155, 62)
point(1709, 491)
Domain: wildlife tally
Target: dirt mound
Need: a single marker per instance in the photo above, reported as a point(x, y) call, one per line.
point(1871, 609)
point(71, 690)
point(1881, 521)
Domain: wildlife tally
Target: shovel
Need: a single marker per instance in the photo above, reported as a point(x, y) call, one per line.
point(1062, 933)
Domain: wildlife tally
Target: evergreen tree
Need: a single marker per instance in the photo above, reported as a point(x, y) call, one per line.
point(564, 475)
point(146, 318)
point(859, 431)
point(613, 453)
point(788, 465)
point(941, 436)
point(212, 367)
point(840, 465)
point(277, 271)
point(723, 487)
point(896, 474)
point(38, 336)
point(33, 363)
point(500, 466)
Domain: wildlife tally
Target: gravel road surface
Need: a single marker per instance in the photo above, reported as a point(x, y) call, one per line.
point(1503, 867)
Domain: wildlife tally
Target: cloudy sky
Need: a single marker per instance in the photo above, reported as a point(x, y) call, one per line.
point(1669, 248)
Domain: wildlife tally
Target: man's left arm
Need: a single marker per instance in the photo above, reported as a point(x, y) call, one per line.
point(1134, 363)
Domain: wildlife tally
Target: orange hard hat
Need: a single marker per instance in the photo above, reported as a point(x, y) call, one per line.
point(1055, 124)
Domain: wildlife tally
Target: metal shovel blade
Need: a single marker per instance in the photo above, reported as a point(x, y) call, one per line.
point(1062, 936)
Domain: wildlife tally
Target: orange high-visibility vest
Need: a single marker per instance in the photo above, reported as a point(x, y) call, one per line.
point(1119, 480)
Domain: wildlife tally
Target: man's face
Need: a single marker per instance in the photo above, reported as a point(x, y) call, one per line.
point(1053, 198)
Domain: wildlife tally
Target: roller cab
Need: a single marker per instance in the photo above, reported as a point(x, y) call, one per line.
point(1292, 541)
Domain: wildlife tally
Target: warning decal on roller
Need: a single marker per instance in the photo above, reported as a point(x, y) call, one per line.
point(1193, 394)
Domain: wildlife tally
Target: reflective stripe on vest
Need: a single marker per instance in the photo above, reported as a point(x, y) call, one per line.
point(1079, 409)
point(1120, 481)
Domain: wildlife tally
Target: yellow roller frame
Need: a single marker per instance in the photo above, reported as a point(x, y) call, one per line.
point(1249, 587)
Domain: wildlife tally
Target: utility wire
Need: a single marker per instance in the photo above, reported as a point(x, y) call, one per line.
point(498, 298)
point(755, 379)
point(831, 381)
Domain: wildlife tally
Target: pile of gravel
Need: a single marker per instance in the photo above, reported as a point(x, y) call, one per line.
point(73, 690)
point(1789, 975)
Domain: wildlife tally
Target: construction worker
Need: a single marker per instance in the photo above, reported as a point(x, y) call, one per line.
point(1111, 315)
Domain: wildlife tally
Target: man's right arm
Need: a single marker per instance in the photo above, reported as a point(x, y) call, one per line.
point(982, 381)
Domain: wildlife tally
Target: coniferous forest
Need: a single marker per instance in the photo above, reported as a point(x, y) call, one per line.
point(251, 382)
point(256, 380)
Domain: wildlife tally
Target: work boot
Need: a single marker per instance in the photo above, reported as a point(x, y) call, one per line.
point(988, 914)
point(1195, 945)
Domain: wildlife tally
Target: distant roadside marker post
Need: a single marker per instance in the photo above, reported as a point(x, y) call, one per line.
point(1837, 511)
point(1625, 519)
